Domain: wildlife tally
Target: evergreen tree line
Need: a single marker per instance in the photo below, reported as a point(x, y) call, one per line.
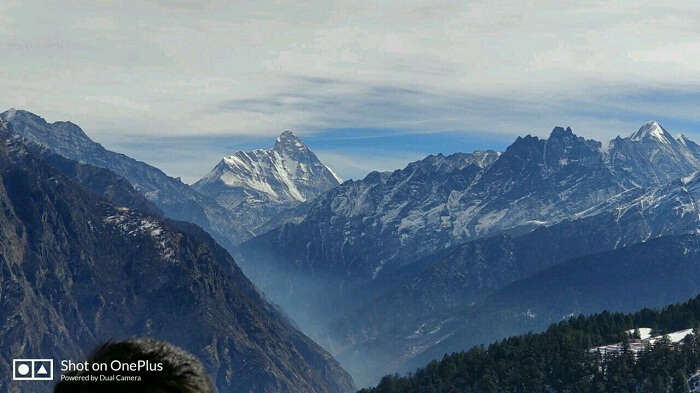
point(560, 361)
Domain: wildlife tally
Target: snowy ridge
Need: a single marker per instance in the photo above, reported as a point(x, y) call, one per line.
point(652, 157)
point(258, 184)
point(337, 178)
point(683, 195)
point(287, 172)
point(254, 169)
point(652, 129)
point(441, 200)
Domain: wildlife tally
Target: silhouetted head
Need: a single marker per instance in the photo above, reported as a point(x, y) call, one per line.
point(160, 368)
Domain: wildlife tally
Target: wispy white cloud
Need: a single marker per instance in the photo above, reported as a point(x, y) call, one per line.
point(183, 68)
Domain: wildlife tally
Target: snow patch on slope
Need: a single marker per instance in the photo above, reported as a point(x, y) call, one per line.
point(134, 224)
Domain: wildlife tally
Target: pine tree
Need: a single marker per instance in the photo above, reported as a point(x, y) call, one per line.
point(679, 384)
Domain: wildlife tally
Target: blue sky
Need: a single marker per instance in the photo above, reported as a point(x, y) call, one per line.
point(368, 85)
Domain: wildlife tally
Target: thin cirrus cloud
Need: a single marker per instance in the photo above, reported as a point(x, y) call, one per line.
point(321, 104)
point(155, 70)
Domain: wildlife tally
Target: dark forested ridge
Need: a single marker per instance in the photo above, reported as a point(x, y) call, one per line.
point(558, 360)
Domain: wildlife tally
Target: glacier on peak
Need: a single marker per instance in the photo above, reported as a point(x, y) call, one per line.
point(259, 184)
point(652, 156)
point(652, 129)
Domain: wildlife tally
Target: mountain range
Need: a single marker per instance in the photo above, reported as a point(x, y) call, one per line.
point(176, 199)
point(456, 298)
point(392, 271)
point(229, 203)
point(395, 254)
point(85, 259)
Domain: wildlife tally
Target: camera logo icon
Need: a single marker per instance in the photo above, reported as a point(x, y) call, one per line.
point(32, 369)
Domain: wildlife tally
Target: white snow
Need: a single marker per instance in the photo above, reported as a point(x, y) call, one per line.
point(412, 223)
point(644, 342)
point(133, 223)
point(255, 183)
point(378, 269)
point(689, 179)
point(644, 333)
point(335, 176)
point(490, 219)
point(288, 172)
point(675, 337)
point(651, 129)
point(284, 165)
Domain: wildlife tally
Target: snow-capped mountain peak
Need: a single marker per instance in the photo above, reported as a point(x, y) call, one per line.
point(289, 143)
point(652, 129)
point(652, 156)
point(289, 171)
point(268, 180)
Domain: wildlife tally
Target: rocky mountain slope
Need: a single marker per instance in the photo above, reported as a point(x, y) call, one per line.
point(417, 312)
point(393, 241)
point(368, 227)
point(100, 181)
point(650, 274)
point(651, 156)
point(176, 199)
point(349, 230)
point(256, 186)
point(365, 230)
point(76, 270)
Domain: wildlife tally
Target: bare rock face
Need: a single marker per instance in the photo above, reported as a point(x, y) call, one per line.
point(77, 270)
